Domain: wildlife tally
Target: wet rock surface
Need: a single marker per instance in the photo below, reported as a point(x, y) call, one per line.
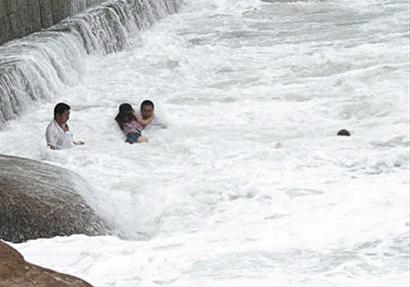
point(42, 201)
point(16, 272)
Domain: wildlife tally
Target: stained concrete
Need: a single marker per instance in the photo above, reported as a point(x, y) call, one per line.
point(19, 18)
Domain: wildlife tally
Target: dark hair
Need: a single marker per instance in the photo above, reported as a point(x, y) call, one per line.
point(125, 114)
point(343, 132)
point(60, 108)
point(147, 103)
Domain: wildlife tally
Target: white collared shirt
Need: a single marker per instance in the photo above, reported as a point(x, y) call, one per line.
point(57, 137)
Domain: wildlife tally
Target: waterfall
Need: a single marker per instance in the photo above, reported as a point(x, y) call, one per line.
point(38, 66)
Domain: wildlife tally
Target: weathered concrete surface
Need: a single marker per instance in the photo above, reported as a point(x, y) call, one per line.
point(43, 201)
point(19, 18)
point(16, 272)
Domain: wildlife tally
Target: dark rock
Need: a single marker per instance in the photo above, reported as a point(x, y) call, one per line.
point(41, 201)
point(343, 132)
point(16, 272)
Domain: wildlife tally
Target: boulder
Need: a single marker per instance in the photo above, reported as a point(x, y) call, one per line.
point(16, 272)
point(39, 200)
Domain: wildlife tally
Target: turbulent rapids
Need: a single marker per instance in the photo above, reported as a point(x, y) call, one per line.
point(248, 184)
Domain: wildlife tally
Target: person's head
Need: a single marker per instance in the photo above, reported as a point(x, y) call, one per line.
point(126, 108)
point(62, 113)
point(343, 133)
point(125, 114)
point(147, 109)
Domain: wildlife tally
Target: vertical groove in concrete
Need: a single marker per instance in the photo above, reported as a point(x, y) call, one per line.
point(19, 18)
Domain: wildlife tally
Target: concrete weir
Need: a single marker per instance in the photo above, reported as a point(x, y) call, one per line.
point(23, 17)
point(38, 66)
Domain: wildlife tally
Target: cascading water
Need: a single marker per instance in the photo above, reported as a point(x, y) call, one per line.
point(248, 184)
point(36, 67)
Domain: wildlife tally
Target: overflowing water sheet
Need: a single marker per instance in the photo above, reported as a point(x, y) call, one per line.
point(248, 184)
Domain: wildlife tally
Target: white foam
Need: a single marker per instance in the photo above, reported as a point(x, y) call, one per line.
point(248, 184)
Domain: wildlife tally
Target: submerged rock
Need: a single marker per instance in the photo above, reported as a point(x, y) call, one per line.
point(16, 272)
point(39, 200)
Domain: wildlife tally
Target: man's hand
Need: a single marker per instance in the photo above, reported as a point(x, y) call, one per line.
point(50, 146)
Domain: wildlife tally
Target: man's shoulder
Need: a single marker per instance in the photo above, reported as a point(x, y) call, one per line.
point(52, 126)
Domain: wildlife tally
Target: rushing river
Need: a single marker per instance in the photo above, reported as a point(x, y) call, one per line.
point(248, 184)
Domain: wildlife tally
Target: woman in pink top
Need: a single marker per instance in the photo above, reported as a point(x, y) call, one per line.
point(131, 124)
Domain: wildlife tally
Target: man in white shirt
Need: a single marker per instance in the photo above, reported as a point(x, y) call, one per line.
point(58, 135)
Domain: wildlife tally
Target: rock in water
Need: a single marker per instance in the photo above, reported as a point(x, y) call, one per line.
point(39, 200)
point(16, 272)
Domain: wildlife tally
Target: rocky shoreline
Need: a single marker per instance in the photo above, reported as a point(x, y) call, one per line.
point(16, 272)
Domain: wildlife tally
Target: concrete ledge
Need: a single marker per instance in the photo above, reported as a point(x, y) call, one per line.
point(19, 18)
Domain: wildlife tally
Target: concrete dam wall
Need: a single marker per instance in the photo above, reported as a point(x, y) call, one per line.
point(40, 65)
point(19, 18)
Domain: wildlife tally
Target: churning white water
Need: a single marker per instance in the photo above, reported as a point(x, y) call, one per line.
point(248, 184)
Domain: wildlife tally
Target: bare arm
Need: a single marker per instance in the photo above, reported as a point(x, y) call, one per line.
point(143, 122)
